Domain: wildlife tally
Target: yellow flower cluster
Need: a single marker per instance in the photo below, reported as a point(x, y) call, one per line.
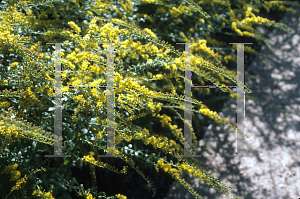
point(88, 195)
point(267, 6)
point(152, 34)
point(109, 31)
point(12, 169)
point(233, 26)
point(92, 27)
point(5, 81)
point(246, 33)
point(167, 168)
point(99, 135)
point(9, 131)
point(4, 104)
point(173, 146)
point(127, 6)
point(190, 169)
point(120, 196)
point(74, 26)
point(158, 106)
point(176, 12)
point(249, 19)
point(214, 42)
point(229, 57)
point(90, 158)
point(131, 83)
point(14, 64)
point(47, 195)
point(202, 20)
point(163, 143)
point(79, 98)
point(37, 192)
point(139, 135)
point(164, 120)
point(153, 141)
point(42, 88)
point(184, 166)
point(19, 183)
point(248, 11)
point(210, 113)
point(158, 76)
point(203, 46)
point(151, 106)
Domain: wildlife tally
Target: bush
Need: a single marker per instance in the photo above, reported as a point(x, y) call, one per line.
point(149, 91)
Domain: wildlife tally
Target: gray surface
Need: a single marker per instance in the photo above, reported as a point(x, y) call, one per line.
point(274, 171)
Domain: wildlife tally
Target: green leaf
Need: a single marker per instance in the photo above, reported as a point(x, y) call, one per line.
point(66, 161)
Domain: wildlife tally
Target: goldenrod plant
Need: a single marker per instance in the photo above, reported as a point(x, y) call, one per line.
point(148, 80)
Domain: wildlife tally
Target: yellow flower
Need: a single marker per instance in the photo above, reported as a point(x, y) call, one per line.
point(159, 76)
point(139, 135)
point(89, 159)
point(146, 131)
point(166, 66)
point(89, 12)
point(157, 169)
point(120, 196)
point(161, 162)
point(233, 25)
point(150, 32)
point(87, 37)
point(202, 20)
point(151, 106)
point(158, 106)
point(249, 9)
point(88, 196)
point(12, 169)
point(74, 26)
point(15, 176)
point(166, 167)
point(165, 120)
point(209, 26)
point(37, 192)
point(48, 195)
point(14, 64)
point(19, 183)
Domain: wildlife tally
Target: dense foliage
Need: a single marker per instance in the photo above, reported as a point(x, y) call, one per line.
point(149, 90)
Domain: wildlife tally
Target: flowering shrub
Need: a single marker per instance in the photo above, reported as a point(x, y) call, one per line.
point(148, 87)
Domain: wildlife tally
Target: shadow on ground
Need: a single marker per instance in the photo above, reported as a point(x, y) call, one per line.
point(273, 171)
